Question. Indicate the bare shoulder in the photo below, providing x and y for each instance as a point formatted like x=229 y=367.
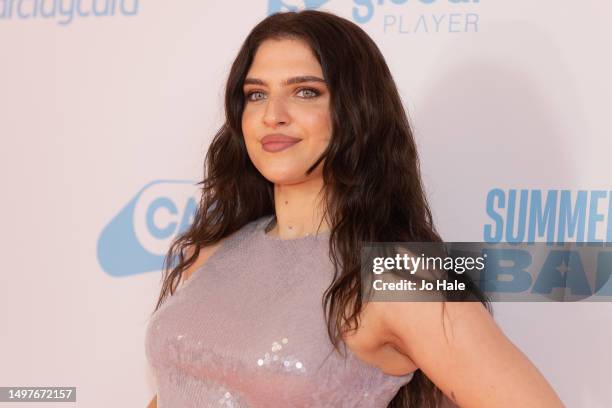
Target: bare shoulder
x=205 y=253
x=369 y=343
x=461 y=349
x=412 y=325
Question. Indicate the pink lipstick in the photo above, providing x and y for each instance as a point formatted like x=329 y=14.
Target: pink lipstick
x=277 y=142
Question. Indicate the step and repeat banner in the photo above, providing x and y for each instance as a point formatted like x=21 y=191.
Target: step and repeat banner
x=107 y=108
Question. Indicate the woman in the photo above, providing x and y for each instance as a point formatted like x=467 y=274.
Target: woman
x=315 y=158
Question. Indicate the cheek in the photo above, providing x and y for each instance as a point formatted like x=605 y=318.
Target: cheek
x=247 y=125
x=249 y=133
x=318 y=125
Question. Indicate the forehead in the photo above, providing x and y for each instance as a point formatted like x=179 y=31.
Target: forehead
x=284 y=57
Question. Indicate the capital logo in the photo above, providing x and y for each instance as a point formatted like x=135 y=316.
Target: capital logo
x=274 y=6
x=137 y=238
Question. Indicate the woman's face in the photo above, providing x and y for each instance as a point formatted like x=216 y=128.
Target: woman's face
x=286 y=121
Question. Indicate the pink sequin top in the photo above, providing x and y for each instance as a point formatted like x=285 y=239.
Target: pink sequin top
x=248 y=330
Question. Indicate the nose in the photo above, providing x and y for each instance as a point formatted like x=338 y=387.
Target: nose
x=276 y=112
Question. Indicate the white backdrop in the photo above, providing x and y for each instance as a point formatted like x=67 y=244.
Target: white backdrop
x=105 y=116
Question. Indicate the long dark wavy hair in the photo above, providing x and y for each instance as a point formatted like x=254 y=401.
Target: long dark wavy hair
x=372 y=183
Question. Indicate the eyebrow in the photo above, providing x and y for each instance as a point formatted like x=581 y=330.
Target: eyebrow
x=290 y=81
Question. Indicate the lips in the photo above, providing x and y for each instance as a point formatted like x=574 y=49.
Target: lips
x=278 y=142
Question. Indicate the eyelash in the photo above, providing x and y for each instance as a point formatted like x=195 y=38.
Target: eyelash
x=314 y=91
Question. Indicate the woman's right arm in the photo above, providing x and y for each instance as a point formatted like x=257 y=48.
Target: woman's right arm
x=153 y=403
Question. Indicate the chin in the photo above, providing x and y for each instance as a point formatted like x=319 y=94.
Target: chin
x=284 y=175
x=286 y=171
x=276 y=178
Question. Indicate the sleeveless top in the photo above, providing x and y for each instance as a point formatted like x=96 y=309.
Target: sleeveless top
x=247 y=329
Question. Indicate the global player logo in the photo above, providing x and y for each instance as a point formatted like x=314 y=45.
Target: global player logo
x=275 y=6
x=400 y=16
x=137 y=238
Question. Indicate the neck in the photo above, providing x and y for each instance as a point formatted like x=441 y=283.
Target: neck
x=299 y=209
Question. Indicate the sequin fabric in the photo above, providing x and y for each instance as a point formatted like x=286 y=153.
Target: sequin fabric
x=248 y=330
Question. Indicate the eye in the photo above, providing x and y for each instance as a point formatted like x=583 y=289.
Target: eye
x=310 y=93
x=250 y=94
